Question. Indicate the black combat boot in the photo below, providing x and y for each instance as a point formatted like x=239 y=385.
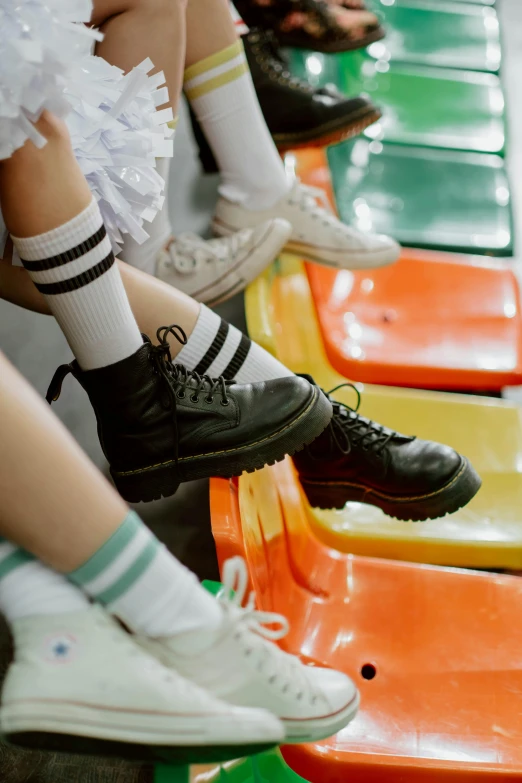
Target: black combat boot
x=297 y=114
x=356 y=459
x=160 y=424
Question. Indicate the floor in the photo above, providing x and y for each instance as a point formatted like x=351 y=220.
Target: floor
x=36 y=346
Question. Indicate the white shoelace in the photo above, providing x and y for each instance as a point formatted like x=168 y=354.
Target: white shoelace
x=187 y=252
x=315 y=202
x=275 y=663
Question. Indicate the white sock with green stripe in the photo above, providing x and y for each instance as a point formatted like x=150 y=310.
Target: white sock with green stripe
x=223 y=97
x=28 y=588
x=140 y=582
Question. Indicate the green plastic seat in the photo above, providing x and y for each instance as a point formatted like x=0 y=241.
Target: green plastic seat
x=425 y=198
x=423 y=106
x=436 y=32
x=268 y=767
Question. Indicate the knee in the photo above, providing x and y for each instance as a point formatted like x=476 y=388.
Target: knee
x=165 y=9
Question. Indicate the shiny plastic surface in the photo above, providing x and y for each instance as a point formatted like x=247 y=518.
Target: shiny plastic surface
x=269 y=767
x=435 y=653
x=451 y=326
x=485 y=534
x=423 y=106
x=432 y=320
x=428 y=198
x=438 y=32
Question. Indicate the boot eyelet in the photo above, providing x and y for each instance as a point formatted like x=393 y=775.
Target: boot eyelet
x=194 y=398
x=181 y=395
x=209 y=400
x=225 y=404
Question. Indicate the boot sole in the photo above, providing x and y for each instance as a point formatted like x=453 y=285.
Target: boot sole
x=446 y=500
x=162 y=480
x=317 y=729
x=332 y=132
x=88 y=731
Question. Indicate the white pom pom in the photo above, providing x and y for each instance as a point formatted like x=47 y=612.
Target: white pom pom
x=39 y=43
x=117 y=134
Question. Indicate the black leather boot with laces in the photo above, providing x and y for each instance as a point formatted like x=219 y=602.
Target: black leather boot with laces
x=297 y=114
x=160 y=424
x=356 y=459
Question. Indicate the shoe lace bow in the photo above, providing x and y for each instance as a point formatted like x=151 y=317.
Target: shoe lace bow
x=315 y=202
x=348 y=427
x=264 y=628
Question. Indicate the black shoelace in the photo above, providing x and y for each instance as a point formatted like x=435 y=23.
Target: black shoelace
x=179 y=378
x=265 y=42
x=349 y=428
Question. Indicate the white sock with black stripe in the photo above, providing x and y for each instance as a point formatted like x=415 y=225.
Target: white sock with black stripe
x=215 y=348
x=73 y=267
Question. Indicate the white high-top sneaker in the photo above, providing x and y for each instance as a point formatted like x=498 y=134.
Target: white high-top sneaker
x=80 y=675
x=317 y=235
x=240 y=664
x=216 y=269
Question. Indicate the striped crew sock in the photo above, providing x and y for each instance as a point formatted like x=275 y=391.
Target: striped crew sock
x=215 y=348
x=140 y=582
x=73 y=267
x=223 y=97
x=28 y=588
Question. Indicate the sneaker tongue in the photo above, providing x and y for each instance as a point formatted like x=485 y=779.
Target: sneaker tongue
x=195 y=642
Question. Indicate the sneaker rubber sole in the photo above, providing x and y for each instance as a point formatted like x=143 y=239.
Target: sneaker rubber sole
x=316 y=729
x=88 y=730
x=162 y=480
x=455 y=494
x=327 y=256
x=250 y=264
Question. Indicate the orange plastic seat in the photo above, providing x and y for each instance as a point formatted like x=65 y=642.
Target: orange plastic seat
x=433 y=320
x=435 y=652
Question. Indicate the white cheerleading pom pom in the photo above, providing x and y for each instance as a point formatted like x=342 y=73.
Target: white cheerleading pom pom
x=39 y=43
x=117 y=134
x=116 y=131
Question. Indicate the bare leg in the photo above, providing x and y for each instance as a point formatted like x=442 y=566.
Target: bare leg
x=216 y=34
x=33 y=196
x=55 y=503
x=135 y=30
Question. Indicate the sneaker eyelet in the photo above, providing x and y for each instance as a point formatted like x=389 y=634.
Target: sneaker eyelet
x=181 y=395
x=208 y=400
x=194 y=398
x=225 y=404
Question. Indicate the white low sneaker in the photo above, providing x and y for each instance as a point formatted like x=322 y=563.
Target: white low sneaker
x=317 y=235
x=80 y=675
x=214 y=270
x=238 y=663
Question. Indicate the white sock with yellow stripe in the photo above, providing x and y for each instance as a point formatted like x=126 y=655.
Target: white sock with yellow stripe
x=222 y=94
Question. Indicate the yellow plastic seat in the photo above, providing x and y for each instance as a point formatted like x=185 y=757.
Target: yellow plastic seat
x=485 y=534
